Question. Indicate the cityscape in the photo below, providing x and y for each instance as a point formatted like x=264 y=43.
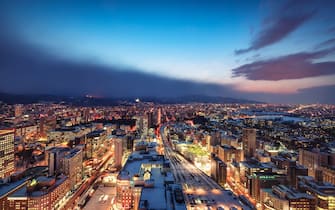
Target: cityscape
x=167 y=105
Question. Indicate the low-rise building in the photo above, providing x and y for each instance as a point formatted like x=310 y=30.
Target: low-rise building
x=284 y=198
x=40 y=193
x=323 y=192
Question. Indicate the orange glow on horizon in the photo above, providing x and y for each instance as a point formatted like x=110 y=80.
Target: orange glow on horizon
x=282 y=86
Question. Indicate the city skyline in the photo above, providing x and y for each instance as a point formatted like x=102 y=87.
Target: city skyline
x=280 y=52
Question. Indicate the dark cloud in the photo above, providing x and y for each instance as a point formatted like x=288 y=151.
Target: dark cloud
x=282 y=22
x=294 y=66
x=27 y=69
x=277 y=31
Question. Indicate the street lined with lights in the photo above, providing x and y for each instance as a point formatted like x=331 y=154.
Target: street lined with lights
x=200 y=190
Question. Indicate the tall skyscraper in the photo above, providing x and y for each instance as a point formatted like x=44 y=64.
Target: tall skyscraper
x=118 y=152
x=249 y=142
x=150 y=119
x=159 y=116
x=6 y=153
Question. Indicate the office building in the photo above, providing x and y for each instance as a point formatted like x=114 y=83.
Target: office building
x=218 y=170
x=323 y=192
x=281 y=197
x=229 y=153
x=40 y=193
x=249 y=142
x=73 y=167
x=289 y=167
x=315 y=158
x=261 y=180
x=6 y=153
x=328 y=174
x=248 y=168
x=67 y=161
x=55 y=157
x=158 y=116
x=118 y=152
x=150 y=117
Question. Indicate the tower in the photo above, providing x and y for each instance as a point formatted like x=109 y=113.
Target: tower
x=159 y=116
x=118 y=152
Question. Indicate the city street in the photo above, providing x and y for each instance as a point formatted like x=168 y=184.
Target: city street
x=200 y=190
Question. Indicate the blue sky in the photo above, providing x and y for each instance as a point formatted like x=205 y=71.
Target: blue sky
x=190 y=40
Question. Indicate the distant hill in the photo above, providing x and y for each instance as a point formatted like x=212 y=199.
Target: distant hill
x=205 y=99
x=92 y=101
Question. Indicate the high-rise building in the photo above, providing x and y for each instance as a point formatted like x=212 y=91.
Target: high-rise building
x=150 y=119
x=42 y=129
x=73 y=167
x=118 y=152
x=6 y=153
x=64 y=160
x=218 y=170
x=129 y=143
x=159 y=116
x=249 y=142
x=55 y=157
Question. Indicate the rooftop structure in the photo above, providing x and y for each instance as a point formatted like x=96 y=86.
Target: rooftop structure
x=284 y=198
x=143 y=173
x=324 y=192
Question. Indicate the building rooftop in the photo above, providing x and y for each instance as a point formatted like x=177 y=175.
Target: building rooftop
x=323 y=188
x=23 y=191
x=149 y=165
x=290 y=193
x=59 y=149
x=158 y=201
x=138 y=159
x=228 y=147
x=229 y=137
x=73 y=153
x=8 y=187
x=256 y=164
x=4 y=132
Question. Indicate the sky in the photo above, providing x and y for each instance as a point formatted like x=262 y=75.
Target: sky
x=271 y=51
